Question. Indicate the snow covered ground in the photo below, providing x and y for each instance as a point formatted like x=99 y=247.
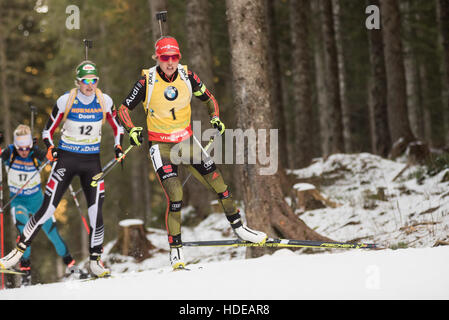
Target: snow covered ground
x=409 y=215
x=390 y=274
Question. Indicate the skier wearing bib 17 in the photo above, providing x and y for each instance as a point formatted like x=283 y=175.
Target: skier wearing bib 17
x=22 y=160
x=82 y=110
x=166 y=91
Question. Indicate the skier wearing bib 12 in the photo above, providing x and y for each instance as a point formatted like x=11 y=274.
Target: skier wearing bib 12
x=22 y=159
x=166 y=91
x=83 y=110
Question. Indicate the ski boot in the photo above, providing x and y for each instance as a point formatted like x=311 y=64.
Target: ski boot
x=25 y=267
x=176 y=255
x=97 y=268
x=13 y=257
x=243 y=232
x=177 y=258
x=72 y=270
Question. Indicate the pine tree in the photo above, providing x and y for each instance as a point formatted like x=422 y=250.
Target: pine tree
x=443 y=22
x=380 y=134
x=299 y=11
x=332 y=78
x=399 y=125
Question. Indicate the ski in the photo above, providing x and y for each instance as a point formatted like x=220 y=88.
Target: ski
x=92 y=278
x=190 y=267
x=9 y=271
x=181 y=269
x=281 y=243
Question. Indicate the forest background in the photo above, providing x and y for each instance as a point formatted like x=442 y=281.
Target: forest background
x=332 y=75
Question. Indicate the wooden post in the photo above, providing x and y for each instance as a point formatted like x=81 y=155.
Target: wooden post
x=308 y=197
x=132 y=240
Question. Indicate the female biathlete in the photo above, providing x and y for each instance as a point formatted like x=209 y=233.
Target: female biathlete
x=22 y=160
x=166 y=91
x=83 y=110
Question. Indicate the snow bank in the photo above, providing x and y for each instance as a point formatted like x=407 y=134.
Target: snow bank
x=403 y=212
x=357 y=274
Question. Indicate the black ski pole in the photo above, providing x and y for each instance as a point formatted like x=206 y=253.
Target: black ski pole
x=87 y=45
x=101 y=175
x=106 y=167
x=79 y=208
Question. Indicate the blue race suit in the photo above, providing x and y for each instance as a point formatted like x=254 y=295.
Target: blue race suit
x=30 y=199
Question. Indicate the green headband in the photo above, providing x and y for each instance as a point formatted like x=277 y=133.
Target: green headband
x=86 y=69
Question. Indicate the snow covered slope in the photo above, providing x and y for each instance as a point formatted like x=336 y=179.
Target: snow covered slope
x=409 y=214
x=406 y=212
x=387 y=274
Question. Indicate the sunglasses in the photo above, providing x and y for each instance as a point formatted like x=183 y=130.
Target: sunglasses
x=24 y=149
x=165 y=57
x=89 y=81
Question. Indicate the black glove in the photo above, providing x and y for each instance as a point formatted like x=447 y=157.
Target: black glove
x=1 y=137
x=119 y=155
x=52 y=153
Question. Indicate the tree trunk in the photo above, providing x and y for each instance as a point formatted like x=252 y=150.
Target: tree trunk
x=200 y=61
x=6 y=114
x=309 y=198
x=443 y=19
x=9 y=237
x=106 y=85
x=265 y=207
x=399 y=125
x=332 y=78
x=299 y=10
x=132 y=240
x=318 y=56
x=276 y=98
x=380 y=134
x=345 y=108
x=414 y=89
x=425 y=102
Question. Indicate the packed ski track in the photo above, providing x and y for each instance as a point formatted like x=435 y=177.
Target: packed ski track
x=409 y=217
